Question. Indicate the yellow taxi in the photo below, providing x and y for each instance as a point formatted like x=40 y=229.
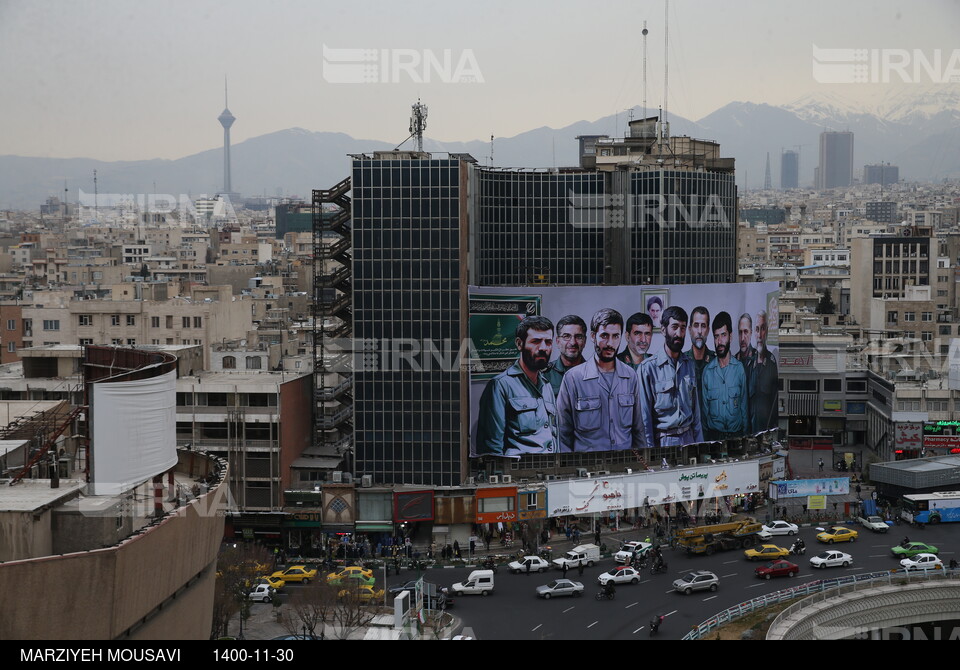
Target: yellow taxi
x=766 y=552
x=296 y=573
x=270 y=580
x=837 y=534
x=364 y=593
x=354 y=572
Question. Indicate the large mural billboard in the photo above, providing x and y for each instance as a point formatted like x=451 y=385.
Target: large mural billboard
x=578 y=369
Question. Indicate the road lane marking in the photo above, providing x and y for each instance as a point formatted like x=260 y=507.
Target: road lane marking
x=669 y=613
x=710 y=598
x=729 y=562
x=535 y=629
x=730 y=575
x=592 y=625
x=568 y=609
x=754 y=586
x=639 y=629
x=630 y=605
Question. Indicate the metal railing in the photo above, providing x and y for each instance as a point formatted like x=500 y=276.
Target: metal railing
x=836 y=586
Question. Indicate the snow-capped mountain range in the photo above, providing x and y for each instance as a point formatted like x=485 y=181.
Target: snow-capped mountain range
x=915 y=127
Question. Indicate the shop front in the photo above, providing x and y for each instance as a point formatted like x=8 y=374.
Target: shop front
x=496 y=515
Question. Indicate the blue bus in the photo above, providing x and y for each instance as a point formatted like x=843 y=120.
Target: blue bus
x=924 y=508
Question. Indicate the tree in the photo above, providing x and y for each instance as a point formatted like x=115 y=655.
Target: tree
x=311 y=606
x=320 y=608
x=239 y=566
x=350 y=613
x=826 y=304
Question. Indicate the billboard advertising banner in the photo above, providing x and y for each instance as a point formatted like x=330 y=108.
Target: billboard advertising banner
x=613 y=368
x=621 y=492
x=801 y=488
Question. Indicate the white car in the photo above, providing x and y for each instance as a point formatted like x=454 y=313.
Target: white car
x=631 y=549
x=529 y=563
x=263 y=593
x=922 y=562
x=831 y=559
x=620 y=575
x=780 y=528
x=560 y=587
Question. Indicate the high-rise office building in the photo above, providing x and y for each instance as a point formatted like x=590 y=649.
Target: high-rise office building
x=642 y=214
x=836 y=159
x=409 y=294
x=623 y=217
x=790 y=169
x=883 y=174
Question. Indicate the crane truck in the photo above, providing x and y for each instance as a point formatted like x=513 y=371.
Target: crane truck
x=719 y=537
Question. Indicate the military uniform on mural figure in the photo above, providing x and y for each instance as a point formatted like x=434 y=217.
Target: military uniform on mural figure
x=639 y=335
x=698 y=351
x=571 y=339
x=599 y=401
x=762 y=382
x=724 y=388
x=670 y=402
x=518 y=413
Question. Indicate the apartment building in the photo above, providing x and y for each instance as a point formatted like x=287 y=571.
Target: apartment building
x=136 y=321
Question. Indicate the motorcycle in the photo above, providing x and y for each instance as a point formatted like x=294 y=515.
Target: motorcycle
x=655 y=624
x=489 y=564
x=605 y=594
x=798 y=549
x=658 y=567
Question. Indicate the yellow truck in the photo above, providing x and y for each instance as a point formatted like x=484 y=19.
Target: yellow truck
x=719 y=537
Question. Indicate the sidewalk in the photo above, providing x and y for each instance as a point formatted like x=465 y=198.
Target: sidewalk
x=262 y=625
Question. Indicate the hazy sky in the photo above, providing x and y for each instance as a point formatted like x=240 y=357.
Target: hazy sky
x=138 y=79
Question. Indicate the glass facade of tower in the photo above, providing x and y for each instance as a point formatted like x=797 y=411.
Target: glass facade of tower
x=537 y=227
x=589 y=228
x=689 y=234
x=406 y=255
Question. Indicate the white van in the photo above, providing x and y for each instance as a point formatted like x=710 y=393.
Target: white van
x=588 y=554
x=479 y=581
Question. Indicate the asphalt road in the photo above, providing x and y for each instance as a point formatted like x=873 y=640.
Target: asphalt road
x=513 y=612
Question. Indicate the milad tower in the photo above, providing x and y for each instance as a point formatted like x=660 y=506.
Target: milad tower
x=226 y=120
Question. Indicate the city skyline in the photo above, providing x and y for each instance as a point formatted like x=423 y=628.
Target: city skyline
x=138 y=94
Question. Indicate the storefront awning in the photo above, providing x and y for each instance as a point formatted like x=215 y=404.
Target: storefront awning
x=372 y=526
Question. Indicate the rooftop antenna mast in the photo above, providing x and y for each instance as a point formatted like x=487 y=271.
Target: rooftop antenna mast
x=666 y=63
x=96 y=203
x=418 y=123
x=644 y=32
x=491 y=151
